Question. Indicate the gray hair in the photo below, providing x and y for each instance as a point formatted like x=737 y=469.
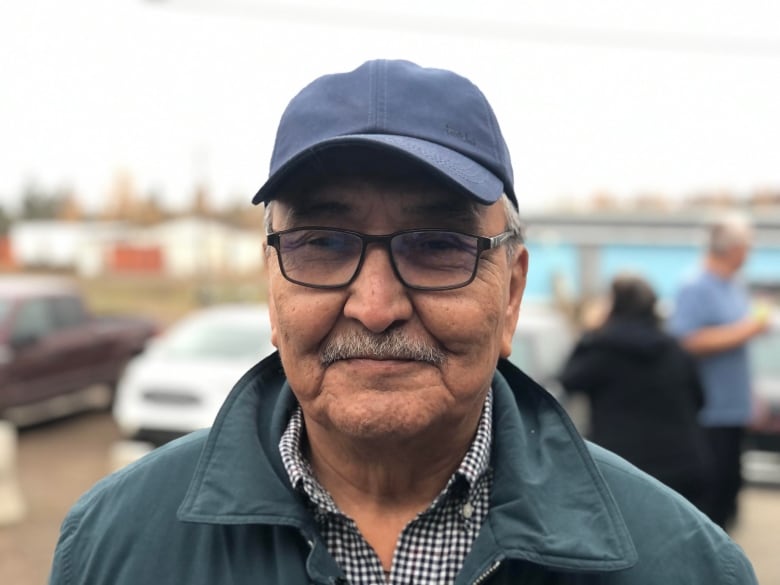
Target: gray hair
x=729 y=232
x=393 y=344
x=514 y=224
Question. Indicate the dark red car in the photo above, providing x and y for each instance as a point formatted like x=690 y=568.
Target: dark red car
x=54 y=354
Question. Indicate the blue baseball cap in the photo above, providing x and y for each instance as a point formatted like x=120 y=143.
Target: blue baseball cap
x=432 y=117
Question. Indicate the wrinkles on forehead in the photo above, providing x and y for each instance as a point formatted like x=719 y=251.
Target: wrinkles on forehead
x=421 y=205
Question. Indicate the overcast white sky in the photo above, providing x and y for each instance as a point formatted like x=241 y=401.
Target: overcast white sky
x=627 y=96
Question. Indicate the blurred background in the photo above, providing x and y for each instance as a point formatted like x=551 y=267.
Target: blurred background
x=134 y=133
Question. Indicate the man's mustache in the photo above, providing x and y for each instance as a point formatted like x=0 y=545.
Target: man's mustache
x=392 y=345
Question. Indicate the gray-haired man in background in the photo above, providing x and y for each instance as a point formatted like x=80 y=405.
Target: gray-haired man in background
x=713 y=318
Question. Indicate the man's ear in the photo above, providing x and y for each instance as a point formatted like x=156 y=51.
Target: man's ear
x=517 y=279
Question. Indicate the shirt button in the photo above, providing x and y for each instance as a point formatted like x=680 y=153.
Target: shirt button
x=468 y=510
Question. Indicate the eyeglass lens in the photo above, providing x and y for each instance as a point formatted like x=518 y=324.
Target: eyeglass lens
x=426 y=259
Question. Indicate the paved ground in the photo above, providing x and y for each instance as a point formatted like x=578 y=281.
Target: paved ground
x=57 y=462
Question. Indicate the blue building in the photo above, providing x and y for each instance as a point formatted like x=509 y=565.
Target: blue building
x=577 y=254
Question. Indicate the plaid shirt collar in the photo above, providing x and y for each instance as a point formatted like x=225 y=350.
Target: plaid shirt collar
x=433 y=546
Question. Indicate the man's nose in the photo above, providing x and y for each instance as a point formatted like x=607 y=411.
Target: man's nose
x=377 y=298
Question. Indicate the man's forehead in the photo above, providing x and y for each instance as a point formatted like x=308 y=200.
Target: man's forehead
x=354 y=195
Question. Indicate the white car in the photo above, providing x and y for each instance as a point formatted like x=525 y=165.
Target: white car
x=543 y=341
x=761 y=458
x=541 y=344
x=180 y=381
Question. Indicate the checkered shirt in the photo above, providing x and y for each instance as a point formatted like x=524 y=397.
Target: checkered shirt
x=432 y=547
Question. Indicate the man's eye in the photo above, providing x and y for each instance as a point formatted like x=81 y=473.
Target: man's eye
x=437 y=242
x=441 y=244
x=316 y=240
x=328 y=241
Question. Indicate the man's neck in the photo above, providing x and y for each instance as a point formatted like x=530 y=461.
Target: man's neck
x=384 y=474
x=383 y=488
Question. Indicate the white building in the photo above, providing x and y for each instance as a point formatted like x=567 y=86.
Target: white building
x=187 y=246
x=195 y=246
x=57 y=244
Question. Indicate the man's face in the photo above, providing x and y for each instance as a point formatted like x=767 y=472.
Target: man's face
x=739 y=256
x=469 y=327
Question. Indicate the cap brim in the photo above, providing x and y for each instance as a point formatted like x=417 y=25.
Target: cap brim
x=472 y=178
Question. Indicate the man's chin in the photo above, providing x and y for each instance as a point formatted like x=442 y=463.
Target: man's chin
x=381 y=429
x=371 y=412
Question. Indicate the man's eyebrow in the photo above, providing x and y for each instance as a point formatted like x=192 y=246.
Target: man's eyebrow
x=315 y=210
x=456 y=212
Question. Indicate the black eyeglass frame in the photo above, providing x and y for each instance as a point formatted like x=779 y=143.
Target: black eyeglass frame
x=484 y=243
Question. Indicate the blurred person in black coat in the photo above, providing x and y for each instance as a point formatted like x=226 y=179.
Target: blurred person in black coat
x=644 y=391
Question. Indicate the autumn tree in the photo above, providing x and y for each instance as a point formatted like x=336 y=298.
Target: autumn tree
x=122 y=202
x=70 y=208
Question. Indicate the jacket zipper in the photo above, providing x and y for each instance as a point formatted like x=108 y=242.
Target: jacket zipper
x=490 y=570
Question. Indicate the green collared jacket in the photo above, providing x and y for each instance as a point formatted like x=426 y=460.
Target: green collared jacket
x=216 y=507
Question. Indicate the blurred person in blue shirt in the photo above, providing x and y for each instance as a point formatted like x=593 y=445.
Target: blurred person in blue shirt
x=713 y=319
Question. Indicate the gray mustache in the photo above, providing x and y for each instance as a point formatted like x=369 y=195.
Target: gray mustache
x=385 y=346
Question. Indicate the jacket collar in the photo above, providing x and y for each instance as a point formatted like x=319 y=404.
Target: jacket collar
x=240 y=477
x=549 y=505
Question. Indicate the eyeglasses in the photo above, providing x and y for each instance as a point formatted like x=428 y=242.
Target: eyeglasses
x=424 y=259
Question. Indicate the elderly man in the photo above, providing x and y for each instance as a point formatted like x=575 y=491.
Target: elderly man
x=388 y=440
x=713 y=318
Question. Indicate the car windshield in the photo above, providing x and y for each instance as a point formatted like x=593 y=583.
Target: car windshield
x=764 y=353
x=215 y=339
